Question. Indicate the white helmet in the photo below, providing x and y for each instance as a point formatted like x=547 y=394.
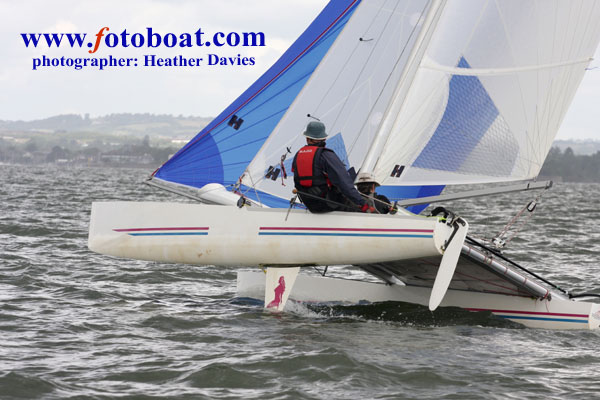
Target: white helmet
x=366 y=177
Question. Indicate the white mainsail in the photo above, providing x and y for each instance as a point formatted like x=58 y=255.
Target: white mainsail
x=491 y=92
x=349 y=91
x=484 y=105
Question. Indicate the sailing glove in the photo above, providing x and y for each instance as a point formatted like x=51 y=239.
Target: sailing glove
x=367 y=208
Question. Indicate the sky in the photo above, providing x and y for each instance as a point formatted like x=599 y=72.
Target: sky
x=27 y=94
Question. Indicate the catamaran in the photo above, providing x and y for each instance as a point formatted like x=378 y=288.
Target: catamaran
x=421 y=94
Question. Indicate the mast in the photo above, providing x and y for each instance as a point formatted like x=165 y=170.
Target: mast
x=404 y=84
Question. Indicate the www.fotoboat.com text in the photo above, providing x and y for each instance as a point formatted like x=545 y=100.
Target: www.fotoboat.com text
x=150 y=40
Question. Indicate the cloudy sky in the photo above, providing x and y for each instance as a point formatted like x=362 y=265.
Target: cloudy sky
x=204 y=91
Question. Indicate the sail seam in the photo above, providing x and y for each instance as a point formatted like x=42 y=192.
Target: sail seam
x=298 y=56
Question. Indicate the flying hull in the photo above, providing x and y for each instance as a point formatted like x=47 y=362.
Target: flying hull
x=250 y=236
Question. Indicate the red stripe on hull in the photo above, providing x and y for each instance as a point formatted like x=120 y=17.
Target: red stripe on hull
x=204 y=228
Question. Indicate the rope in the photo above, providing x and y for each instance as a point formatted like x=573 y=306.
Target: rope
x=392 y=206
x=575 y=296
x=326 y=200
x=501 y=242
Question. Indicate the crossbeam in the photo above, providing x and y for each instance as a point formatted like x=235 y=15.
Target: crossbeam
x=476 y=193
x=174 y=188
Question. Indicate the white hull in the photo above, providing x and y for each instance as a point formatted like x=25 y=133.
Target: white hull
x=557 y=313
x=397 y=249
x=230 y=236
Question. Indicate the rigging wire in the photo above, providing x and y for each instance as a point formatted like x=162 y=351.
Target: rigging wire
x=500 y=255
x=253 y=188
x=575 y=296
x=502 y=238
x=388 y=78
x=347 y=62
x=354 y=84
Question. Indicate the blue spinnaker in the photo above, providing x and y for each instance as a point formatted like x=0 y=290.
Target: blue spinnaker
x=222 y=150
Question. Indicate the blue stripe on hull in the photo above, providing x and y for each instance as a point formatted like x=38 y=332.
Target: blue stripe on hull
x=577 y=321
x=340 y=234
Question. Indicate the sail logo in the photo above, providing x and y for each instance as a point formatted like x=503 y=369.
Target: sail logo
x=279 y=291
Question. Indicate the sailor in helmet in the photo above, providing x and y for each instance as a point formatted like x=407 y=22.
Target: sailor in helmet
x=366 y=184
x=320 y=177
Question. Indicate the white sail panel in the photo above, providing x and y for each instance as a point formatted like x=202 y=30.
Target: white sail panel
x=349 y=91
x=491 y=92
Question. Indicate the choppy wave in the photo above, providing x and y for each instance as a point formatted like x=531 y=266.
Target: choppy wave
x=74 y=324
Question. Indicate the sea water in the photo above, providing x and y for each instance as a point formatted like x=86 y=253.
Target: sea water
x=80 y=325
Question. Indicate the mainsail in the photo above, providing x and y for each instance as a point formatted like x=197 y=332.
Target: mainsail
x=491 y=92
x=421 y=93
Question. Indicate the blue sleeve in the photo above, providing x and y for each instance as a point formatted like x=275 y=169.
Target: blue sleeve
x=337 y=174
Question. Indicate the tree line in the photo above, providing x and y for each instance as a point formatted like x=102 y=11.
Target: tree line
x=571 y=167
x=98 y=152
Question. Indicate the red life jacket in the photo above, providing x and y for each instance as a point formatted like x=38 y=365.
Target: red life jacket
x=303 y=167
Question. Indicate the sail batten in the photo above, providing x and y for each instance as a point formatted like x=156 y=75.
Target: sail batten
x=429 y=64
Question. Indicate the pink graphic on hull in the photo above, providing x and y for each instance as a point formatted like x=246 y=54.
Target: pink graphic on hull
x=279 y=290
